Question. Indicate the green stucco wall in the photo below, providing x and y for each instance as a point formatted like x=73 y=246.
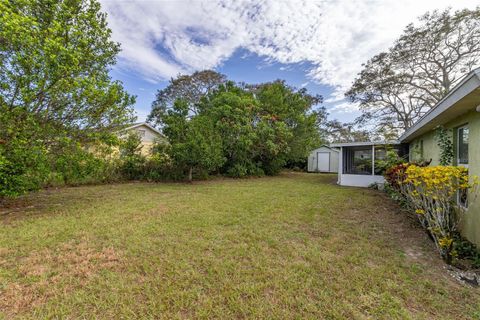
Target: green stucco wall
x=470 y=222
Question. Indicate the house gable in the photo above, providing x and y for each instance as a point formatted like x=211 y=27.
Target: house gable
x=146 y=133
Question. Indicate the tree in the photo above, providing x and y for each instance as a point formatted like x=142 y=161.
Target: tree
x=55 y=57
x=132 y=161
x=195 y=145
x=384 y=98
x=337 y=131
x=436 y=54
x=397 y=87
x=258 y=128
x=235 y=115
x=294 y=108
x=189 y=88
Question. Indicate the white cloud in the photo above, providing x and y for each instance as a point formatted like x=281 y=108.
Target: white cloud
x=344 y=107
x=163 y=38
x=303 y=85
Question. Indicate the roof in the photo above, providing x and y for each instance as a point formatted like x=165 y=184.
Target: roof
x=139 y=124
x=328 y=147
x=464 y=97
x=363 y=143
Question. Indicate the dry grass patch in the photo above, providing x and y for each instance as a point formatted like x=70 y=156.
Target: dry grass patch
x=40 y=274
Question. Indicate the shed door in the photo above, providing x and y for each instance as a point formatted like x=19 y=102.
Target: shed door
x=323 y=161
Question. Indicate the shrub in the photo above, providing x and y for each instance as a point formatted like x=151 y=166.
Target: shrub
x=76 y=165
x=396 y=174
x=391 y=159
x=242 y=170
x=466 y=250
x=431 y=191
x=23 y=166
x=132 y=161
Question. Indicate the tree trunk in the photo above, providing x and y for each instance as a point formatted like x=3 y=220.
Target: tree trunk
x=190 y=174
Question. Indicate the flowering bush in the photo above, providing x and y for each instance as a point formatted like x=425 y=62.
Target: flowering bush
x=432 y=193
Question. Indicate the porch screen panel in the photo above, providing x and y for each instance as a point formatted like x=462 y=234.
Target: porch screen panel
x=357 y=160
x=381 y=151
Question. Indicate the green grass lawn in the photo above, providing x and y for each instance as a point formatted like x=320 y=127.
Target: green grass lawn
x=293 y=246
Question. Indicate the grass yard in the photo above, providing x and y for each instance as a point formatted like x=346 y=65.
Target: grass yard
x=293 y=246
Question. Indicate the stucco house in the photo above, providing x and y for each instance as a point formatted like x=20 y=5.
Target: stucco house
x=459 y=113
x=148 y=135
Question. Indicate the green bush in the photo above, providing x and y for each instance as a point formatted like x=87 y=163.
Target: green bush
x=76 y=165
x=242 y=170
x=23 y=159
x=464 y=249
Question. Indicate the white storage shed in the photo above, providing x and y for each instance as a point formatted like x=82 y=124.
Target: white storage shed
x=323 y=159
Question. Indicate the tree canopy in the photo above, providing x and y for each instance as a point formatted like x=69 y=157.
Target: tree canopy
x=55 y=88
x=252 y=129
x=398 y=86
x=189 y=88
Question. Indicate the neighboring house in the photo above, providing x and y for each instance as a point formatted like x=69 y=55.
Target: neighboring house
x=148 y=135
x=361 y=164
x=323 y=159
x=459 y=112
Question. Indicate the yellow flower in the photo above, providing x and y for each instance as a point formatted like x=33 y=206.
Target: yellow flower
x=445 y=242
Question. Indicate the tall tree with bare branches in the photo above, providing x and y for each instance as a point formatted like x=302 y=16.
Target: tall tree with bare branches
x=397 y=87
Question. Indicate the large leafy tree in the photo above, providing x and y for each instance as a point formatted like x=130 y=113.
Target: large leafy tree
x=55 y=57
x=235 y=115
x=258 y=129
x=189 y=88
x=396 y=87
x=296 y=110
x=384 y=99
x=438 y=52
x=195 y=145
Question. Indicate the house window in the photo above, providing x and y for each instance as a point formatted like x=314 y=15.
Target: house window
x=462 y=160
x=462 y=146
x=141 y=133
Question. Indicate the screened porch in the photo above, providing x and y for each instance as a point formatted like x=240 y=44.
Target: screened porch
x=363 y=163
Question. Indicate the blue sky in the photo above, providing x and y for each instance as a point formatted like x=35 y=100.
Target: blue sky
x=317 y=44
x=241 y=66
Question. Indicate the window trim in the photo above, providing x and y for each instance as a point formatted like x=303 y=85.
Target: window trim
x=458 y=146
x=465 y=165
